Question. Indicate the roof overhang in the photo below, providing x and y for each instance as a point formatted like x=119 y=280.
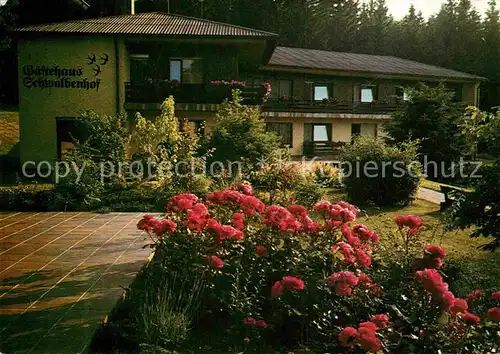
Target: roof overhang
x=366 y=74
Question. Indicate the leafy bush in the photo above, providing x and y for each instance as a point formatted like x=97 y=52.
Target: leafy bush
x=481 y=207
x=79 y=190
x=482 y=128
x=308 y=192
x=380 y=174
x=25 y=197
x=239 y=133
x=151 y=147
x=284 y=180
x=326 y=175
x=431 y=117
x=276 y=273
x=105 y=136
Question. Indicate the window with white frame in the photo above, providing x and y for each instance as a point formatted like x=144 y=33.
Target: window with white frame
x=368 y=93
x=321 y=92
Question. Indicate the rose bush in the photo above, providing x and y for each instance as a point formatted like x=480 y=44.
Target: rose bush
x=312 y=276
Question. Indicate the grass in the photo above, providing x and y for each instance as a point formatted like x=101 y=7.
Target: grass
x=9 y=131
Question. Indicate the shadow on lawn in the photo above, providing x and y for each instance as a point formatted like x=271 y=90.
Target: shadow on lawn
x=62 y=319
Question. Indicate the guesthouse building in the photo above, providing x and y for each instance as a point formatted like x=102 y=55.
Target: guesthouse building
x=318 y=100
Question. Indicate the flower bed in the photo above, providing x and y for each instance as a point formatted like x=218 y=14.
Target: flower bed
x=286 y=276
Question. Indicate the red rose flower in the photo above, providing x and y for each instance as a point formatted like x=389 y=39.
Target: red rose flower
x=411 y=222
x=347 y=336
x=459 y=306
x=261 y=323
x=381 y=320
x=297 y=210
x=164 y=226
x=147 y=223
x=261 y=251
x=344 y=282
x=238 y=221
x=250 y=321
x=181 y=202
x=277 y=289
x=363 y=259
x=494 y=314
x=288 y=283
x=496 y=296
x=471 y=319
x=367 y=338
x=216 y=262
x=435 y=251
x=476 y=295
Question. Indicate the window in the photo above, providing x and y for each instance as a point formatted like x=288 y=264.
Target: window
x=188 y=71
x=368 y=94
x=281 y=88
x=321 y=92
x=192 y=72
x=285 y=88
x=68 y=130
x=317 y=132
x=320 y=133
x=355 y=130
x=175 y=70
x=139 y=67
x=402 y=94
x=284 y=131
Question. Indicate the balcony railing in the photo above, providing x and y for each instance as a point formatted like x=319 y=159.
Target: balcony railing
x=329 y=106
x=190 y=93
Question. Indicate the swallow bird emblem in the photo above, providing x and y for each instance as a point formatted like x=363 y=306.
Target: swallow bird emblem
x=97 y=70
x=104 y=59
x=91 y=58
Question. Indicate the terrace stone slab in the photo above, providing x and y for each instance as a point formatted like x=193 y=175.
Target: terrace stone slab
x=61 y=274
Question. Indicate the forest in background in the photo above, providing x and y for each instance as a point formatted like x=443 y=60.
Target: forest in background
x=456 y=37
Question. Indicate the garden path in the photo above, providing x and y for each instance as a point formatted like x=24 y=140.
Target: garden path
x=430 y=195
x=61 y=274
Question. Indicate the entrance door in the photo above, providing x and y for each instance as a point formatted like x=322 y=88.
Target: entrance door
x=69 y=131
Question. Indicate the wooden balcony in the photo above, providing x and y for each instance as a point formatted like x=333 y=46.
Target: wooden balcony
x=321 y=148
x=329 y=106
x=196 y=94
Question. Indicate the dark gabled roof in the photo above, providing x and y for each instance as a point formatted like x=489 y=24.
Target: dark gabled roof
x=148 y=24
x=352 y=62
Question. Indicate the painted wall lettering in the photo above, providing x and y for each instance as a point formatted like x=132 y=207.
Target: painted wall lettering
x=43 y=77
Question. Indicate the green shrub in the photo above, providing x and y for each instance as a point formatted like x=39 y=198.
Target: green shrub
x=79 y=191
x=308 y=192
x=326 y=175
x=33 y=197
x=239 y=133
x=431 y=116
x=481 y=207
x=380 y=174
x=284 y=181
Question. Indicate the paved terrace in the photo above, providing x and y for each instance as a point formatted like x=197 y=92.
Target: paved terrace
x=61 y=274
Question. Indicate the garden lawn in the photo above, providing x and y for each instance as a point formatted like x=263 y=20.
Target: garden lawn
x=9 y=131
